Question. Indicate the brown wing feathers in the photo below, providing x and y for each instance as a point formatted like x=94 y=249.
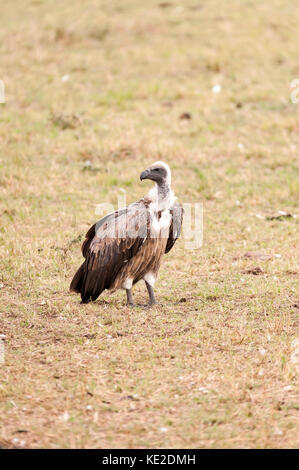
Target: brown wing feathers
x=101 y=266
x=176 y=225
x=104 y=257
x=88 y=239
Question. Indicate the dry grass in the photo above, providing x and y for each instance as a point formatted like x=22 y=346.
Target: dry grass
x=214 y=370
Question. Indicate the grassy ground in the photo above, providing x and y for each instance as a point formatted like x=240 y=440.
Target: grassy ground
x=215 y=364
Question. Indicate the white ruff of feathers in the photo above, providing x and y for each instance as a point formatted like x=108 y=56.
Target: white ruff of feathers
x=162 y=198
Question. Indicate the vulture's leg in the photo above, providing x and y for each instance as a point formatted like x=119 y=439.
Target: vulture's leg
x=130 y=301
x=151 y=294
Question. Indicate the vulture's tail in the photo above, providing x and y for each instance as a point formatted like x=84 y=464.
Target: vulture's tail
x=77 y=282
x=85 y=283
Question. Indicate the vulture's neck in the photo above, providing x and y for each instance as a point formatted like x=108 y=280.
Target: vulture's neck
x=162 y=197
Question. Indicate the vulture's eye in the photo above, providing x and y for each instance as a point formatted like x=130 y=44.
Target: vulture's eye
x=156 y=169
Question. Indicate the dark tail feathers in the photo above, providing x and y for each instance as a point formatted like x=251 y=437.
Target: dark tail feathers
x=87 y=284
x=77 y=282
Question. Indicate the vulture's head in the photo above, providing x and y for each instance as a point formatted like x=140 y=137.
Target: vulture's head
x=158 y=172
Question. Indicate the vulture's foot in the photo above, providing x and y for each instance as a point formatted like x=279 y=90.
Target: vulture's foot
x=150 y=290
x=130 y=301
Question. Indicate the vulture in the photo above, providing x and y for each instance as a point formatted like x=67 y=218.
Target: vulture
x=127 y=245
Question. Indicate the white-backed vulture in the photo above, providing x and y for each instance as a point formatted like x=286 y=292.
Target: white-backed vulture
x=127 y=245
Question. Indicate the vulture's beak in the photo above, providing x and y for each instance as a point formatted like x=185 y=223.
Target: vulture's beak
x=144 y=175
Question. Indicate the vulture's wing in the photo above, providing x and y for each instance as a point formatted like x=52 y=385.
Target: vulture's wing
x=110 y=243
x=92 y=231
x=176 y=225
